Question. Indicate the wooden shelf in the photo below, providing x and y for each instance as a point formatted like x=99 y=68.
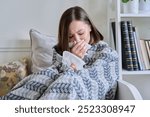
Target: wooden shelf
x=135 y=15
x=146 y=72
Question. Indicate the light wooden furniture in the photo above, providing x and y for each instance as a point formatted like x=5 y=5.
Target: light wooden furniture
x=140 y=79
x=15 y=49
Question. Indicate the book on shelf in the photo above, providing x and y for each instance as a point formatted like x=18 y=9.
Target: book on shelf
x=127 y=62
x=147 y=48
x=113 y=27
x=133 y=46
x=145 y=54
x=112 y=33
x=138 y=48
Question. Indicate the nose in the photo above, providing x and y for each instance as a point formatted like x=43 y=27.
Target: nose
x=77 y=38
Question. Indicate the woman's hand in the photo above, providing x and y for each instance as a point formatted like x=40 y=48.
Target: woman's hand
x=73 y=66
x=79 y=49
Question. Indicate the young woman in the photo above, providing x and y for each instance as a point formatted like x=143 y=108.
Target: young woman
x=96 y=80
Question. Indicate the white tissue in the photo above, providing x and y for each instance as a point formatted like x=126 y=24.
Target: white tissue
x=69 y=58
x=70 y=44
x=88 y=46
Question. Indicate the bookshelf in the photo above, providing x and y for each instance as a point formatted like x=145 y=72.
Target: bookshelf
x=140 y=78
x=140 y=15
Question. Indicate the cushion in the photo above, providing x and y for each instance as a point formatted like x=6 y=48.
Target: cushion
x=11 y=73
x=42 y=52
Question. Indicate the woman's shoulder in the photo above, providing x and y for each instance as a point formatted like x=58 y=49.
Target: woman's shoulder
x=99 y=46
x=56 y=50
x=103 y=48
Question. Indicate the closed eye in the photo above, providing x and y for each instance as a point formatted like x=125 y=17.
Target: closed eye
x=81 y=33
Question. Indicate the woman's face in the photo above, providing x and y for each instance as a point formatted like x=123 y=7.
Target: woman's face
x=79 y=30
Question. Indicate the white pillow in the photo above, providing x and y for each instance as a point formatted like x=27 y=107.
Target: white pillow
x=42 y=52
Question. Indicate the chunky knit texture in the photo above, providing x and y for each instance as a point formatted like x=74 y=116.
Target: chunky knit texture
x=96 y=81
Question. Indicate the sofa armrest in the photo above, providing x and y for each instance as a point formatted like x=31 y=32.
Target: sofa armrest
x=127 y=91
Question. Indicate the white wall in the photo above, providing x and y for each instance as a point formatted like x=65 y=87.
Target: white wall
x=17 y=17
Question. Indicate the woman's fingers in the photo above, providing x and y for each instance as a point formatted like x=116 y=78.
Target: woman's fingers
x=79 y=45
x=73 y=66
x=79 y=49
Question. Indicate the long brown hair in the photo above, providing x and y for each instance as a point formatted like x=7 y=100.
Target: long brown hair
x=74 y=13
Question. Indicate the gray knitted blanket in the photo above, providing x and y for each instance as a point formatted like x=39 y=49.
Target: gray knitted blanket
x=97 y=80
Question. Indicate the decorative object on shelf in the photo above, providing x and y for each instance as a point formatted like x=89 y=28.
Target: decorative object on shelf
x=130 y=6
x=144 y=6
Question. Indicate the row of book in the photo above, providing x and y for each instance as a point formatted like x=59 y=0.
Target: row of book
x=135 y=51
x=145 y=48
